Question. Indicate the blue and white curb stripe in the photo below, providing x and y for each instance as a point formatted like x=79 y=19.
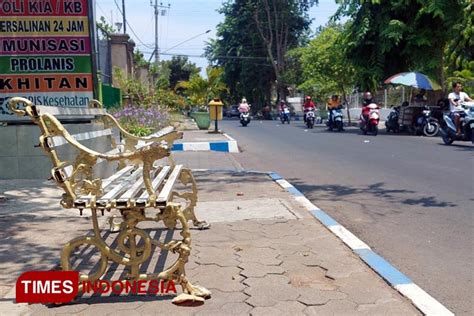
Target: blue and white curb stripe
x=427 y=304
x=222 y=146
x=422 y=300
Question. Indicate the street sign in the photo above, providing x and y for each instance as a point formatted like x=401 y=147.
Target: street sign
x=46 y=53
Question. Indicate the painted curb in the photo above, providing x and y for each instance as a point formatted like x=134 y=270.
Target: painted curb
x=229 y=146
x=427 y=304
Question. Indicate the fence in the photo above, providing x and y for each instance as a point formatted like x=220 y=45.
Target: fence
x=386 y=98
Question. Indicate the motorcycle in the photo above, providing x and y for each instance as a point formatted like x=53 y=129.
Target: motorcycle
x=448 y=130
x=244 y=118
x=285 y=116
x=336 y=120
x=426 y=124
x=310 y=117
x=391 y=124
x=369 y=119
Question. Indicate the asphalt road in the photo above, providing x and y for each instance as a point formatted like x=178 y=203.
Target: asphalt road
x=409 y=198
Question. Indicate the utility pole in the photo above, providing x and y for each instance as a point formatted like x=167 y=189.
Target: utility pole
x=124 y=18
x=157 y=13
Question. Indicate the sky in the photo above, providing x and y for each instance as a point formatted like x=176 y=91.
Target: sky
x=185 y=19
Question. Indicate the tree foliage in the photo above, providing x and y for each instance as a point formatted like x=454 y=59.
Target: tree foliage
x=459 y=53
x=180 y=69
x=105 y=28
x=385 y=37
x=200 y=90
x=252 y=43
x=325 y=70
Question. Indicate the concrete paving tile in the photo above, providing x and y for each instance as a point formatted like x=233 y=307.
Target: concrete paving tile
x=269 y=290
x=257 y=311
x=333 y=308
x=219 y=299
x=226 y=279
x=364 y=288
x=388 y=307
x=221 y=256
x=305 y=276
x=338 y=270
x=39 y=309
x=314 y=296
x=103 y=308
x=163 y=308
x=236 y=308
x=246 y=225
x=290 y=307
x=256 y=270
x=266 y=256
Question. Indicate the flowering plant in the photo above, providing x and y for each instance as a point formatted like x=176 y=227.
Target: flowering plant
x=141 y=121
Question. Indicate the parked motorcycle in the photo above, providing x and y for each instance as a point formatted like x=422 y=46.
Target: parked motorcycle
x=426 y=124
x=244 y=118
x=310 y=118
x=335 y=121
x=369 y=119
x=285 y=116
x=448 y=130
x=391 y=124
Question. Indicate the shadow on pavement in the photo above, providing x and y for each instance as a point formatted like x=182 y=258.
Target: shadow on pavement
x=377 y=190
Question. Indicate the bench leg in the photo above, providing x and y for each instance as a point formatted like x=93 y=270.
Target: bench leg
x=138 y=254
x=176 y=272
x=187 y=177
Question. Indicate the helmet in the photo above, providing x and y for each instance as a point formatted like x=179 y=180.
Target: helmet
x=367 y=96
x=308 y=97
x=244 y=100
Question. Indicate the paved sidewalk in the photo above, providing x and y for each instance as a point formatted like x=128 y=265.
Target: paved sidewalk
x=264 y=254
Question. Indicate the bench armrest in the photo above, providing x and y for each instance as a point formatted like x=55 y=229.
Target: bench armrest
x=168 y=137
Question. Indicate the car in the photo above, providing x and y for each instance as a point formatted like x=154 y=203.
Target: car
x=232 y=111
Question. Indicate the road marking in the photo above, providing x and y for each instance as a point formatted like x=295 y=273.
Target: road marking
x=424 y=301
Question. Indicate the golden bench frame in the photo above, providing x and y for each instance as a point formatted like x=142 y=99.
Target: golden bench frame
x=149 y=198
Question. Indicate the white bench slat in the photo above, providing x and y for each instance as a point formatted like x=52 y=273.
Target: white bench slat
x=156 y=182
x=136 y=187
x=117 y=175
x=166 y=191
x=115 y=191
x=83 y=199
x=60 y=111
x=57 y=141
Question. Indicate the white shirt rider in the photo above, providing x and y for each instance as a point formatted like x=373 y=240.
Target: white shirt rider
x=457 y=97
x=461 y=97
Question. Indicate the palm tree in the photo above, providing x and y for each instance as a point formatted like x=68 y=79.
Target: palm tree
x=200 y=90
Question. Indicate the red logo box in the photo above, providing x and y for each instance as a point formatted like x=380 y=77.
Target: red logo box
x=47 y=286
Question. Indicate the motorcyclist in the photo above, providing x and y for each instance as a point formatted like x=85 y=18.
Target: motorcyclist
x=244 y=107
x=283 y=106
x=367 y=100
x=333 y=103
x=308 y=106
x=456 y=98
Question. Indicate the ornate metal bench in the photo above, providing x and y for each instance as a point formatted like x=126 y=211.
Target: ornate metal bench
x=140 y=190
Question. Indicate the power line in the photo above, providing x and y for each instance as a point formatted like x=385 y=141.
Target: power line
x=131 y=29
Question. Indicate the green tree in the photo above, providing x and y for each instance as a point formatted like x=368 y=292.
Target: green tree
x=104 y=28
x=459 y=53
x=385 y=37
x=252 y=43
x=200 y=90
x=281 y=25
x=325 y=68
x=180 y=69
